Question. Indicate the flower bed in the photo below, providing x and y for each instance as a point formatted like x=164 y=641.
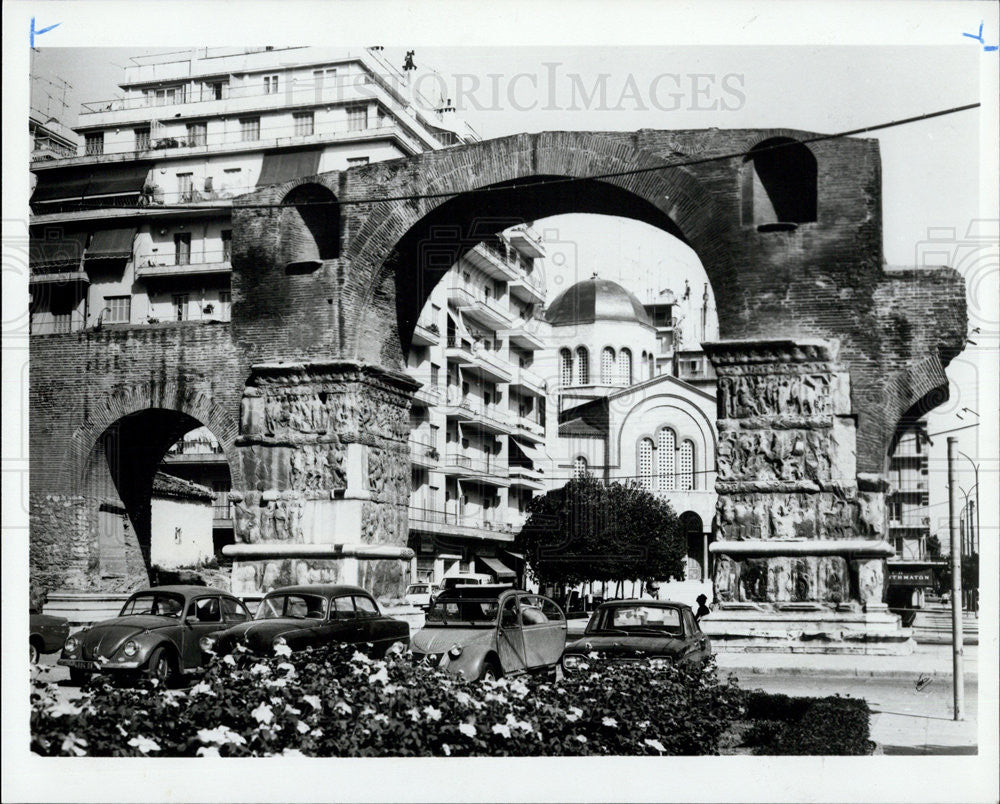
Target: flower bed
x=783 y=725
x=336 y=702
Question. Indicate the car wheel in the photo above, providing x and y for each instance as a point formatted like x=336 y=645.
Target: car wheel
x=491 y=671
x=161 y=666
x=33 y=652
x=78 y=677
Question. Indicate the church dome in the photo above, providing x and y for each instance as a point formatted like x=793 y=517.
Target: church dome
x=596 y=300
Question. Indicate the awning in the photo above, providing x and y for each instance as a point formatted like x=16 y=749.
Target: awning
x=286 y=165
x=52 y=247
x=110 y=244
x=537 y=456
x=497 y=567
x=84 y=182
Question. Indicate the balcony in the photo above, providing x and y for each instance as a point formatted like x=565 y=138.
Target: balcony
x=485 y=310
x=458 y=408
x=523 y=339
x=530 y=428
x=479 y=467
x=152 y=270
x=196 y=450
x=489 y=365
x=526 y=380
x=491 y=419
x=526 y=477
x=426 y=334
x=483 y=525
x=459 y=351
x=526 y=240
x=528 y=288
x=424 y=454
x=427 y=395
x=491 y=258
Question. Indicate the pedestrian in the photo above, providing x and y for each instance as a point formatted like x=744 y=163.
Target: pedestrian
x=702 y=608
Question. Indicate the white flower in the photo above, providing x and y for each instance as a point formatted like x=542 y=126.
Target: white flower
x=380 y=718
x=414 y=714
x=643 y=724
x=463 y=698
x=432 y=713
x=288 y=667
x=575 y=713
x=74 y=745
x=63 y=708
x=610 y=722
x=382 y=676
x=518 y=688
x=260 y=670
x=281 y=649
x=656 y=744
x=302 y=726
x=201 y=688
x=292 y=752
x=513 y=722
x=313 y=701
x=228 y=659
x=467 y=729
x=276 y=682
x=360 y=658
x=263 y=714
x=390 y=689
x=207 y=751
x=143 y=744
x=504 y=731
x=447 y=749
x=221 y=735
x=581 y=738
x=342 y=707
x=292 y=709
x=492 y=696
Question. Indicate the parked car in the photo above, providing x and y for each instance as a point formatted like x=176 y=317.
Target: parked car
x=466 y=579
x=421 y=594
x=489 y=631
x=47 y=634
x=305 y=616
x=157 y=632
x=636 y=630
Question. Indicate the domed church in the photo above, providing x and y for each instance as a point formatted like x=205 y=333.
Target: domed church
x=615 y=418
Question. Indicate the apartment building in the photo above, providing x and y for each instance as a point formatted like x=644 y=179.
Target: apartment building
x=478 y=421
x=130 y=222
x=910 y=570
x=133 y=227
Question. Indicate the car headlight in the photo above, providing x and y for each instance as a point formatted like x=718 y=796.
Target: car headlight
x=71 y=645
x=130 y=648
x=278 y=641
x=207 y=644
x=572 y=661
x=455 y=651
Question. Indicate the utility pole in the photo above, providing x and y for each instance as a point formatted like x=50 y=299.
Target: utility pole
x=956 y=583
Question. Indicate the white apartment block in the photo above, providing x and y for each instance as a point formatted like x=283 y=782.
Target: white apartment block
x=478 y=421
x=134 y=227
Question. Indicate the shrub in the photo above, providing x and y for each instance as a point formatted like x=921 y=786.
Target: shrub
x=336 y=702
x=781 y=724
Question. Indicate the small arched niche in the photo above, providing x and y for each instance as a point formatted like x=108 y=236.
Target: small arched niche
x=310 y=228
x=778 y=185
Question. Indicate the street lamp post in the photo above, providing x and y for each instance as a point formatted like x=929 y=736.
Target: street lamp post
x=975 y=469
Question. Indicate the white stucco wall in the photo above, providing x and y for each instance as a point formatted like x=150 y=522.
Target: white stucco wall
x=181 y=533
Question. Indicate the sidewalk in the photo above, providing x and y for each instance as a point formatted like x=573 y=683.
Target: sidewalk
x=926 y=661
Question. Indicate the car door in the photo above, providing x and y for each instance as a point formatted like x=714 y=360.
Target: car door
x=371 y=625
x=234 y=612
x=544 y=629
x=695 y=642
x=204 y=616
x=510 y=639
x=343 y=623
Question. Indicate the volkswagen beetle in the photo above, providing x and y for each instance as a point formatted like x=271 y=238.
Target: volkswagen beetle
x=47 y=635
x=640 y=630
x=311 y=615
x=490 y=631
x=157 y=632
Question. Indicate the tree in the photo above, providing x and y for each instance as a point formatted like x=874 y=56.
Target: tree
x=933 y=547
x=591 y=531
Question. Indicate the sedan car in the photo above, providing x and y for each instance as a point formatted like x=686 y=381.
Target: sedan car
x=309 y=616
x=157 y=632
x=491 y=631
x=421 y=594
x=638 y=630
x=47 y=634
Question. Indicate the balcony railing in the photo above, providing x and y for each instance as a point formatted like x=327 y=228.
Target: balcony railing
x=484 y=520
x=485 y=466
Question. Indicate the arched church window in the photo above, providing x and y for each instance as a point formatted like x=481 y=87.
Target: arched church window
x=685 y=466
x=582 y=366
x=625 y=367
x=565 y=367
x=579 y=466
x=644 y=463
x=666 y=447
x=607 y=365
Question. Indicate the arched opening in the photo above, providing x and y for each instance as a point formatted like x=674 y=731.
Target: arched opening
x=697 y=567
x=778 y=185
x=160 y=482
x=607 y=365
x=310 y=228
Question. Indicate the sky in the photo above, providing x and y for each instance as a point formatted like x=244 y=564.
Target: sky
x=930 y=169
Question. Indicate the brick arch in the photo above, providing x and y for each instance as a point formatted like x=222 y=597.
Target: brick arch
x=129 y=400
x=672 y=200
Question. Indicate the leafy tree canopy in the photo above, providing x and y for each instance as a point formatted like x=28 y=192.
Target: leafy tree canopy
x=592 y=531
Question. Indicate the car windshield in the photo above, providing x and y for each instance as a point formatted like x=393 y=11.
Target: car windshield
x=638 y=618
x=418 y=589
x=161 y=604
x=463 y=611
x=299 y=607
